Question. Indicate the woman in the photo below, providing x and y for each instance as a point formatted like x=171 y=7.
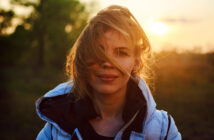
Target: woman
x=105 y=98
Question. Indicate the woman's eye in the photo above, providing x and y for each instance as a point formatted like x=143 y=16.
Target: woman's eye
x=122 y=53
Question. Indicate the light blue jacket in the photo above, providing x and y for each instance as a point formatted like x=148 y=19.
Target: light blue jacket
x=155 y=124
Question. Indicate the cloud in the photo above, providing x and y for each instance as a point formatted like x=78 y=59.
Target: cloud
x=179 y=20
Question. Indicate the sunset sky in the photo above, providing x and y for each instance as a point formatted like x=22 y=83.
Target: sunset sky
x=169 y=24
x=180 y=24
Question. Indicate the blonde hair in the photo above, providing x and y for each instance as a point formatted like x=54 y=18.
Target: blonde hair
x=87 y=46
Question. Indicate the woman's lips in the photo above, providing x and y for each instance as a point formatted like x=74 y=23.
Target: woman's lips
x=107 y=77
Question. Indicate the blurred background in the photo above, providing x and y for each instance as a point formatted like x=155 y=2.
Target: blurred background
x=35 y=36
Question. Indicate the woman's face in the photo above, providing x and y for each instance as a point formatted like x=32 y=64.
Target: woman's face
x=104 y=77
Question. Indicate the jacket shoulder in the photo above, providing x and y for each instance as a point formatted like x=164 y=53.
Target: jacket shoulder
x=50 y=132
x=63 y=88
x=159 y=124
x=45 y=133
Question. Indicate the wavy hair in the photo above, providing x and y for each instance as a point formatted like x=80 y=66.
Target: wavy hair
x=87 y=46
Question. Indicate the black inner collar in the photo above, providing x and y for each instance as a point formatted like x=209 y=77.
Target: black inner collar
x=70 y=114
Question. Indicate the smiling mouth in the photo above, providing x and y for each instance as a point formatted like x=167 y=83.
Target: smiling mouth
x=107 y=77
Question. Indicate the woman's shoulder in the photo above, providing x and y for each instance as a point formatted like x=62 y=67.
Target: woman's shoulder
x=60 y=89
x=50 y=132
x=162 y=122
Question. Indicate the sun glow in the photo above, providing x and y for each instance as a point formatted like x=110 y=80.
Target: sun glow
x=157 y=27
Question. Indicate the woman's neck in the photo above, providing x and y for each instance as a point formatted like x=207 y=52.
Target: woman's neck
x=110 y=105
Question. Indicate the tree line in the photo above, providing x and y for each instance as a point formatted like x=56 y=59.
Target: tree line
x=43 y=38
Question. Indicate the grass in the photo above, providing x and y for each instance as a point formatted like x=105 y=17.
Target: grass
x=185 y=89
x=22 y=88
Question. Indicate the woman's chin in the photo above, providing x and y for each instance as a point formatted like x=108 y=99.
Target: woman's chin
x=105 y=91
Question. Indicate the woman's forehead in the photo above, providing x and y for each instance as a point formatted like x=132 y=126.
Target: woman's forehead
x=113 y=33
x=114 y=38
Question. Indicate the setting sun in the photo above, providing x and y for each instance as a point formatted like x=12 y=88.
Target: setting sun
x=157 y=28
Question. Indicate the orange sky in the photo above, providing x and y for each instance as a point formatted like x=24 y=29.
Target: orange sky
x=169 y=24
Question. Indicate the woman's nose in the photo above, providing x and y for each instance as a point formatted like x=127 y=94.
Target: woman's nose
x=106 y=64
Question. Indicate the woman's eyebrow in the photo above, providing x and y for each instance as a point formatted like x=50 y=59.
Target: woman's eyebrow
x=123 y=48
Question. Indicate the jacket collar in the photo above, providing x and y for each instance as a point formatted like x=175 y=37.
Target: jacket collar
x=151 y=105
x=69 y=114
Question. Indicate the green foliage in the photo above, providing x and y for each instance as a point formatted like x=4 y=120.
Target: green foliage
x=45 y=37
x=51 y=18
